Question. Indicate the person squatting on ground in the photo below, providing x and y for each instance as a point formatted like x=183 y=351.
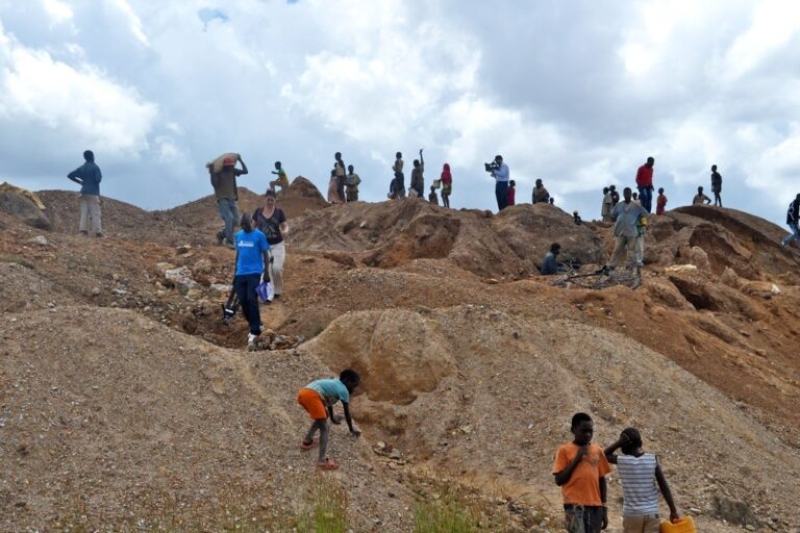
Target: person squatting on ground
x=398 y=187
x=88 y=175
x=550 y=264
x=447 y=185
x=271 y=220
x=540 y=195
x=641 y=478
x=283 y=179
x=626 y=215
x=580 y=468
x=700 y=198
x=252 y=256
x=605 y=207
x=341 y=175
x=792 y=217
x=352 y=181
x=512 y=193
x=500 y=172
x=432 y=198
x=227 y=194
x=644 y=183
x=661 y=202
x=716 y=185
x=318 y=399
x=417 y=186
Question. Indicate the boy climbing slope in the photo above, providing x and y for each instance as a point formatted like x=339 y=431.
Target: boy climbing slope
x=318 y=398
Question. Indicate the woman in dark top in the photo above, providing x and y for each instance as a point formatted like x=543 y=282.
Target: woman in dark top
x=272 y=221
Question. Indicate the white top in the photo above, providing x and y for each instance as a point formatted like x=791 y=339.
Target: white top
x=639 y=487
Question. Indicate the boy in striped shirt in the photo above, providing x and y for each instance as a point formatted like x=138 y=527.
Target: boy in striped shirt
x=641 y=478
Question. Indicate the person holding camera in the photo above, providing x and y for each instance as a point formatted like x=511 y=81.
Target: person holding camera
x=501 y=174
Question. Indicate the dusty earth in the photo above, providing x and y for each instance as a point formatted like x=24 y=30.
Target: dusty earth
x=126 y=405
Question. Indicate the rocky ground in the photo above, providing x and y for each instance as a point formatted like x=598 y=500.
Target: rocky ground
x=125 y=403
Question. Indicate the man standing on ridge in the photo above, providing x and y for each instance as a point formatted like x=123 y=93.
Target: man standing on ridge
x=716 y=186
x=644 y=182
x=89 y=177
x=500 y=172
x=227 y=194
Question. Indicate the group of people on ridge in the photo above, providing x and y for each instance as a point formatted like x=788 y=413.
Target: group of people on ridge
x=416 y=189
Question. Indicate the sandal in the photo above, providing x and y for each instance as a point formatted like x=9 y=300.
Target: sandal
x=308 y=446
x=329 y=464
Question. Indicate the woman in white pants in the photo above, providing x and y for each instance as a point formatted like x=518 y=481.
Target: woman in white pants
x=272 y=221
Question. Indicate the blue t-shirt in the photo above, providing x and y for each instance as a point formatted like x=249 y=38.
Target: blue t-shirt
x=250 y=249
x=330 y=390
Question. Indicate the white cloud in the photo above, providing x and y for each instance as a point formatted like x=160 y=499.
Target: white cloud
x=134 y=22
x=46 y=93
x=58 y=11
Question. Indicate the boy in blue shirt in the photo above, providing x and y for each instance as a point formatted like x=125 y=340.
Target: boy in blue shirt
x=318 y=398
x=252 y=257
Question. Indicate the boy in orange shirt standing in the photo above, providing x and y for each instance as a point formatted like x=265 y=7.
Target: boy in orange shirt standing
x=580 y=468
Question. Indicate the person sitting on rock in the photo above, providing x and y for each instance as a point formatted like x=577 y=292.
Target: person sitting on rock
x=550 y=265
x=540 y=194
x=432 y=197
x=318 y=399
x=792 y=217
x=700 y=198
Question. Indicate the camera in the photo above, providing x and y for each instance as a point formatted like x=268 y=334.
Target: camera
x=491 y=167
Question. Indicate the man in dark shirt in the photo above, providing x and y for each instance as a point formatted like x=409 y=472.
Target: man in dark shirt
x=89 y=177
x=716 y=185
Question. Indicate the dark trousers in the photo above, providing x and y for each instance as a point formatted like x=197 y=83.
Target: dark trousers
x=245 y=287
x=583 y=519
x=501 y=192
x=340 y=180
x=646 y=198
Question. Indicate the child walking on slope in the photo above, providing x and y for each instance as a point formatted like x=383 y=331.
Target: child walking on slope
x=318 y=398
x=580 y=468
x=641 y=478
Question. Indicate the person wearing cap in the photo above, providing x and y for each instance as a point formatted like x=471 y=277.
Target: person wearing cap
x=88 y=176
x=252 y=257
x=226 y=193
x=271 y=220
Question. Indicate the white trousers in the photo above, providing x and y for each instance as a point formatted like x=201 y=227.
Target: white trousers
x=90 y=209
x=278 y=253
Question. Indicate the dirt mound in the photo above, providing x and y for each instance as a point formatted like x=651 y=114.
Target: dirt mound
x=389 y=234
x=118 y=370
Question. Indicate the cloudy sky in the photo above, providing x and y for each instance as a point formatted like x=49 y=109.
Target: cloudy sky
x=576 y=92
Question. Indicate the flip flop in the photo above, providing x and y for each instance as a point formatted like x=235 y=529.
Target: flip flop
x=304 y=446
x=329 y=464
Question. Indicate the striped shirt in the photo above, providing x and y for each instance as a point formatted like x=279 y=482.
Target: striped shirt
x=639 y=488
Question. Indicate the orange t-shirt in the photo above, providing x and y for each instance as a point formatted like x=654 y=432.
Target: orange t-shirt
x=583 y=487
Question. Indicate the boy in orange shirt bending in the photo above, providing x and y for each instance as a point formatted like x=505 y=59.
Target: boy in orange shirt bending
x=580 y=468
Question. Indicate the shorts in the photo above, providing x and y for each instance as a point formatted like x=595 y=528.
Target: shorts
x=312 y=403
x=447 y=189
x=583 y=519
x=649 y=523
